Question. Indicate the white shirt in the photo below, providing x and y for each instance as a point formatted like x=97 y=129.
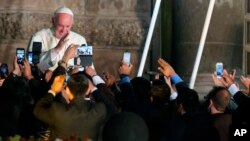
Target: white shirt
x=49 y=58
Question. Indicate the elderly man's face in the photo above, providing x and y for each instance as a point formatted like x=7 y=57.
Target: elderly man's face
x=63 y=23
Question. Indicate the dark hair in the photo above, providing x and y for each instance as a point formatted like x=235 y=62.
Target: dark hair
x=188 y=98
x=78 y=84
x=220 y=100
x=125 y=126
x=160 y=92
x=141 y=87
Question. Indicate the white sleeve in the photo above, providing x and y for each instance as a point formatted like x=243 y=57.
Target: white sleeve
x=233 y=89
x=173 y=96
x=49 y=59
x=97 y=80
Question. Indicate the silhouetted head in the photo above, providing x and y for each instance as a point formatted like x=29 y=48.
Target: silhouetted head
x=125 y=126
x=188 y=99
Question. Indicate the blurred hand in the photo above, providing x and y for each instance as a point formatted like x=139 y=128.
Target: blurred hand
x=246 y=82
x=16 y=67
x=90 y=71
x=27 y=70
x=66 y=93
x=165 y=68
x=90 y=88
x=70 y=53
x=61 y=43
x=218 y=81
x=229 y=79
x=233 y=74
x=48 y=75
x=58 y=83
x=1 y=82
x=74 y=70
x=125 y=68
x=109 y=79
x=168 y=82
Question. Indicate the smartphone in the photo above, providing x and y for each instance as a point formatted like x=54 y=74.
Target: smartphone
x=126 y=57
x=219 y=69
x=85 y=54
x=4 y=71
x=37 y=47
x=30 y=56
x=35 y=57
x=20 y=53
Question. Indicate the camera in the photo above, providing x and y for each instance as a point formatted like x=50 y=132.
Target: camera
x=20 y=53
x=219 y=69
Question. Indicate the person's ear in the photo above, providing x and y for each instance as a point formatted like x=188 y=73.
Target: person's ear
x=210 y=102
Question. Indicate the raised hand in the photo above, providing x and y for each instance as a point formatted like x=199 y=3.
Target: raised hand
x=16 y=67
x=58 y=84
x=27 y=70
x=70 y=53
x=246 y=82
x=165 y=68
x=168 y=82
x=90 y=71
x=125 y=69
x=218 y=81
x=109 y=79
x=61 y=43
x=1 y=82
x=229 y=79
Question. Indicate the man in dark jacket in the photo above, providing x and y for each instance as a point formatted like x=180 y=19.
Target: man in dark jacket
x=80 y=118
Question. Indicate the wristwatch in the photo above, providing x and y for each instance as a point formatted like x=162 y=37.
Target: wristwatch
x=61 y=62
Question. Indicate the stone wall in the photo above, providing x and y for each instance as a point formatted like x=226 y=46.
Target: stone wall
x=224 y=42
x=111 y=26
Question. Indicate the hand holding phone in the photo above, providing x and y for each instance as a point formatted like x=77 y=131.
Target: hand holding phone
x=219 y=69
x=20 y=53
x=126 y=57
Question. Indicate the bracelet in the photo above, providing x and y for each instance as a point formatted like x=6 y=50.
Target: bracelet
x=61 y=62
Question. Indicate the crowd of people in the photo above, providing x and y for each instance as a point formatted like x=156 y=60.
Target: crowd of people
x=54 y=99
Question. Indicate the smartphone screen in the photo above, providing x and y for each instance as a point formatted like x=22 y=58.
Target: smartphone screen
x=219 y=69
x=84 y=50
x=4 y=71
x=30 y=55
x=126 y=57
x=85 y=54
x=20 y=53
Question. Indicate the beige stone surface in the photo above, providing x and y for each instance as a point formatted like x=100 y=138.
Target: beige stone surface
x=118 y=7
x=41 y=6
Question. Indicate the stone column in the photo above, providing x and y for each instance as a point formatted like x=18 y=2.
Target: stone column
x=223 y=42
